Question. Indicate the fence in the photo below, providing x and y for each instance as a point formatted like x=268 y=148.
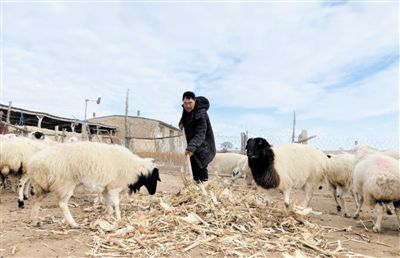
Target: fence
x=177 y=143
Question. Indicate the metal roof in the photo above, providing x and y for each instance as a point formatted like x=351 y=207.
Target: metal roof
x=20 y=116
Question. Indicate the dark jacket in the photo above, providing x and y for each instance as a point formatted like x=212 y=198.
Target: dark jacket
x=199 y=133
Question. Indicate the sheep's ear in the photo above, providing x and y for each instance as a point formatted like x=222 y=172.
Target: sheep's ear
x=156 y=174
x=261 y=142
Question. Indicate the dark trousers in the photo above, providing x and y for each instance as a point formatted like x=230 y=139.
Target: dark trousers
x=199 y=174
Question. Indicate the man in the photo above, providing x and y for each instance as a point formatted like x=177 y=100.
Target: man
x=199 y=134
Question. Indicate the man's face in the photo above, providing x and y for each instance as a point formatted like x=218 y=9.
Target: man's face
x=188 y=104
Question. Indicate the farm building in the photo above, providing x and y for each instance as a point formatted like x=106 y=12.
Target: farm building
x=144 y=134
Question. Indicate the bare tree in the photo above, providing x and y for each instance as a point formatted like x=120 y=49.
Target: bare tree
x=226 y=145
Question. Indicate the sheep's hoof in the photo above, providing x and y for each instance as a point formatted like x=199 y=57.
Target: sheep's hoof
x=25 y=198
x=74 y=225
x=338 y=208
x=37 y=224
x=320 y=187
x=389 y=212
x=355 y=216
x=21 y=204
x=346 y=215
x=376 y=229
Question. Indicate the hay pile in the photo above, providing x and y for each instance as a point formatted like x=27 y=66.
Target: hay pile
x=215 y=218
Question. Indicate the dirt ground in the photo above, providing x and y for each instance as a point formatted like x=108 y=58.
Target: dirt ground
x=20 y=239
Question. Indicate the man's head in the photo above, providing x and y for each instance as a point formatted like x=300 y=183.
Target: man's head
x=189 y=101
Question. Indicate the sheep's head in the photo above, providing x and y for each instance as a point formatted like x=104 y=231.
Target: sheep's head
x=149 y=181
x=236 y=173
x=37 y=135
x=257 y=147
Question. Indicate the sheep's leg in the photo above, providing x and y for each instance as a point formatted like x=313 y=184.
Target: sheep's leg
x=308 y=188
x=27 y=189
x=21 y=184
x=114 y=197
x=63 y=203
x=36 y=204
x=397 y=211
x=334 y=192
x=380 y=209
x=359 y=202
x=107 y=201
x=340 y=194
x=387 y=209
x=286 y=197
x=248 y=177
x=3 y=180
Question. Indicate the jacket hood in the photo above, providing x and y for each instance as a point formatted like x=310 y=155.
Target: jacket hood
x=202 y=103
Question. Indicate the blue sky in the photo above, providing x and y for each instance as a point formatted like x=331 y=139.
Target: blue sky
x=336 y=63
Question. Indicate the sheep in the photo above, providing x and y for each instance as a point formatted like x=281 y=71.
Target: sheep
x=244 y=172
x=24 y=185
x=376 y=180
x=225 y=163
x=14 y=156
x=89 y=166
x=339 y=177
x=290 y=166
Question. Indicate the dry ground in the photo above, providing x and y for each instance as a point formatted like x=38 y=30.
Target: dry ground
x=19 y=239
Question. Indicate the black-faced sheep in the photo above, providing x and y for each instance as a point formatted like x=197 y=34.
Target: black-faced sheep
x=93 y=167
x=290 y=166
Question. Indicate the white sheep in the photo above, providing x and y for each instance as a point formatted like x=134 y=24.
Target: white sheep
x=339 y=177
x=225 y=163
x=89 y=166
x=376 y=180
x=288 y=167
x=14 y=157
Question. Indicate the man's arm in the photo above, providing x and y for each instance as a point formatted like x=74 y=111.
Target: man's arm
x=200 y=129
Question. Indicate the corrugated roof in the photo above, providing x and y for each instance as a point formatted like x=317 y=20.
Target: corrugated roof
x=29 y=117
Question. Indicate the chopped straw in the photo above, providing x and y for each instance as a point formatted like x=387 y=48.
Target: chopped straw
x=211 y=219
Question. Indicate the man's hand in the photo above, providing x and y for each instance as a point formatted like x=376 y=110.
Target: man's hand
x=188 y=153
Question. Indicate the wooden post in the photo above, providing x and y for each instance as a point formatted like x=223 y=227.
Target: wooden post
x=56 y=133
x=243 y=141
x=8 y=117
x=73 y=127
x=40 y=119
x=126 y=120
x=64 y=134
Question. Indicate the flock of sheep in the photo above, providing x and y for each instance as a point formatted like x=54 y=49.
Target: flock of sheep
x=371 y=176
x=46 y=166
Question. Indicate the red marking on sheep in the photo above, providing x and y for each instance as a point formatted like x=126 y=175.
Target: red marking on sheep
x=382 y=164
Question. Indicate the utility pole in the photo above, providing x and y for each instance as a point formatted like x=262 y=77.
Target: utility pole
x=126 y=120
